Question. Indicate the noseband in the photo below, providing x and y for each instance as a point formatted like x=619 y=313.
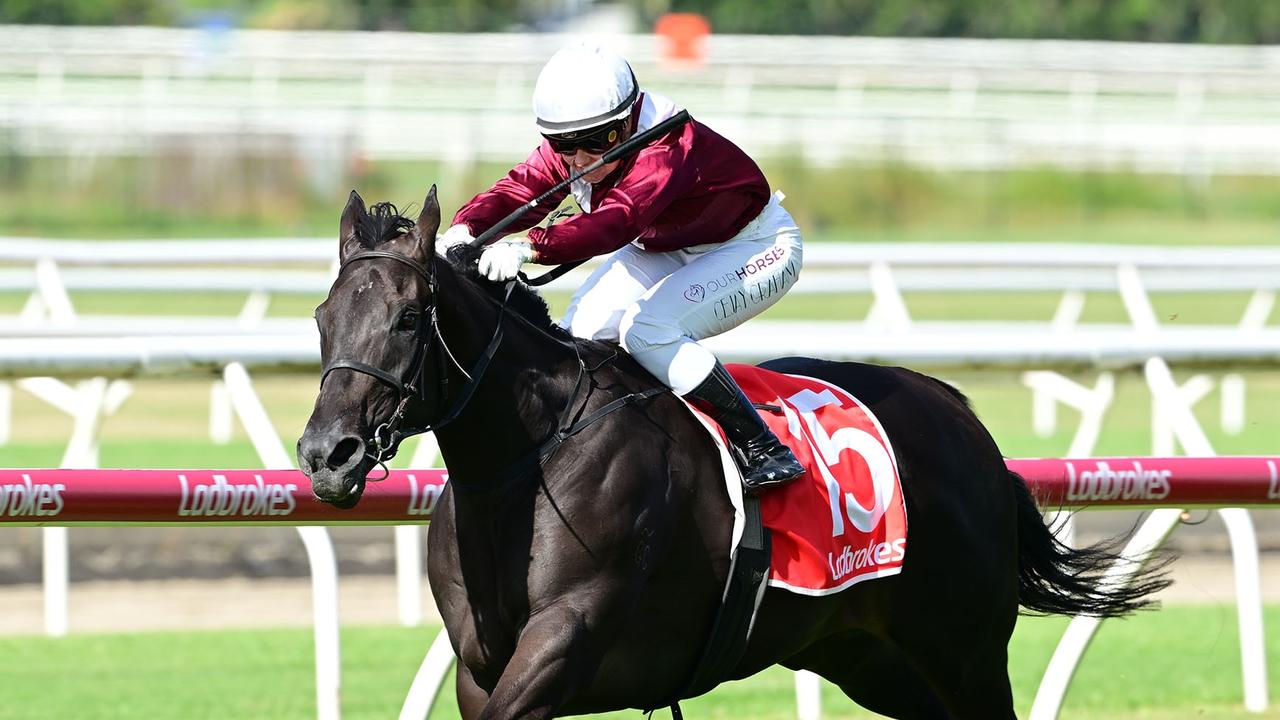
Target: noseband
x=388 y=435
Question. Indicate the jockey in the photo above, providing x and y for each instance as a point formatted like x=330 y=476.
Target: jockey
x=699 y=245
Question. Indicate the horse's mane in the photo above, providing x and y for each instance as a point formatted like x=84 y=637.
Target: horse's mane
x=384 y=222
x=381 y=223
x=525 y=301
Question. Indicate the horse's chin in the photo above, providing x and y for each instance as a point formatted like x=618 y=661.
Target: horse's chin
x=350 y=499
x=341 y=490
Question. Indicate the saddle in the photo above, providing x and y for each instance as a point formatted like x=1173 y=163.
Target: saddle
x=842 y=524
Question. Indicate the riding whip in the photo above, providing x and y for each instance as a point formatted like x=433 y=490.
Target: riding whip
x=624 y=149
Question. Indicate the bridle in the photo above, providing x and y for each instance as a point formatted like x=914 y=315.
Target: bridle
x=388 y=435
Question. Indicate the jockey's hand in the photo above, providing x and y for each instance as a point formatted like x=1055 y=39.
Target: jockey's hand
x=502 y=260
x=454 y=236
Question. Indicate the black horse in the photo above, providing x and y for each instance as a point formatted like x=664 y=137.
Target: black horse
x=580 y=571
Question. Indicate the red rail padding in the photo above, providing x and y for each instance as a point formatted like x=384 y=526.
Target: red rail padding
x=1151 y=481
x=283 y=497
x=180 y=497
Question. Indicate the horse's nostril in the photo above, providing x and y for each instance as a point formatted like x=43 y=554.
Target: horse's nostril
x=342 y=452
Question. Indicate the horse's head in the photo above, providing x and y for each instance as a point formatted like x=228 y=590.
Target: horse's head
x=375 y=335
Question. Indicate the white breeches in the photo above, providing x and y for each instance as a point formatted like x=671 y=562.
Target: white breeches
x=657 y=305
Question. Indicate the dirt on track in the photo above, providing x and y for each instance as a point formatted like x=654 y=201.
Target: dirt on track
x=142 y=605
x=100 y=606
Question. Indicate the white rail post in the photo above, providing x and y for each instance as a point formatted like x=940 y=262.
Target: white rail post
x=87 y=403
x=1050 y=388
x=1044 y=409
x=1244 y=561
x=1136 y=301
x=1076 y=639
x=1232 y=388
x=55 y=578
x=6 y=411
x=409 y=574
x=1258 y=310
x=220 y=413
x=429 y=679
x=53 y=293
x=1067 y=315
x=1244 y=543
x=1165 y=415
x=1232 y=397
x=888 y=309
x=254 y=310
x=33 y=311
x=808 y=695
x=320 y=554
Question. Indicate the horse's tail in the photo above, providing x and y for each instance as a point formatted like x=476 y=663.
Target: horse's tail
x=1056 y=579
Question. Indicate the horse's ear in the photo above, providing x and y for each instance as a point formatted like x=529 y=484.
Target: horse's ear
x=348 y=241
x=424 y=230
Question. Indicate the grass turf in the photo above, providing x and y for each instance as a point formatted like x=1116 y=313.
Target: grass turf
x=1180 y=662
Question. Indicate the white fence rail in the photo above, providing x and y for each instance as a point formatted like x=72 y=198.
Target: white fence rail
x=26 y=356
x=50 y=268
x=50 y=271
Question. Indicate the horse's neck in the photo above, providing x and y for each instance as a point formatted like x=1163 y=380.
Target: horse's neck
x=517 y=401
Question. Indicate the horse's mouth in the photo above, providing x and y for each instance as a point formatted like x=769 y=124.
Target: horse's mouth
x=340 y=489
x=349 y=499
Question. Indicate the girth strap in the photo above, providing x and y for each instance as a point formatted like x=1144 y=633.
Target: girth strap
x=735 y=617
x=737 y=613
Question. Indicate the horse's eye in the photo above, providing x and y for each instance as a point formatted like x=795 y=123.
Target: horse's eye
x=408 y=320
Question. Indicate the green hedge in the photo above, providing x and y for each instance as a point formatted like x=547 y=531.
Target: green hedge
x=1209 y=21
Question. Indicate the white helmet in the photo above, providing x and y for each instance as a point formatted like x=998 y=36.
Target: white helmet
x=583 y=86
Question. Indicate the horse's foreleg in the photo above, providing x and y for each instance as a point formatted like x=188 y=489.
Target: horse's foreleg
x=551 y=661
x=471 y=697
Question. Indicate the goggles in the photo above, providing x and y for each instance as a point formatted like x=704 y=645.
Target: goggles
x=594 y=141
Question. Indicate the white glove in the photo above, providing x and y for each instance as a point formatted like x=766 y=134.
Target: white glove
x=454 y=236
x=502 y=260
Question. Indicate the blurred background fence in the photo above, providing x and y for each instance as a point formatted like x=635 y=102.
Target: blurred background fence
x=938 y=103
x=129 y=131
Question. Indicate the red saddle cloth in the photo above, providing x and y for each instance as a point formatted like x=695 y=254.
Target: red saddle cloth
x=845 y=521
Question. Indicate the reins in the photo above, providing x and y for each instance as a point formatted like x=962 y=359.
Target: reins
x=388 y=435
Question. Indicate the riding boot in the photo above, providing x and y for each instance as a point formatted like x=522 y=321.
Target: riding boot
x=765 y=462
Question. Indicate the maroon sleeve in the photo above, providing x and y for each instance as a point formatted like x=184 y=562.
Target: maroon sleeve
x=526 y=181
x=658 y=176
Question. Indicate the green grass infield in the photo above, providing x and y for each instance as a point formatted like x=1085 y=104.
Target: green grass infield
x=1179 y=662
